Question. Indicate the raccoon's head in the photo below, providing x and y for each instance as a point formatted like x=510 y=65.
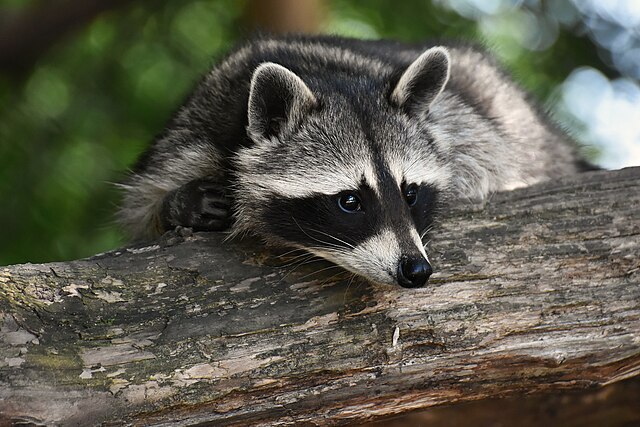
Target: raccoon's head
x=344 y=166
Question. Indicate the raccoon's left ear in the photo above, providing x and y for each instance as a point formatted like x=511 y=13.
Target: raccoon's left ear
x=422 y=81
x=278 y=100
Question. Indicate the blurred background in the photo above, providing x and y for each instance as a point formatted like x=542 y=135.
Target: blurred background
x=86 y=84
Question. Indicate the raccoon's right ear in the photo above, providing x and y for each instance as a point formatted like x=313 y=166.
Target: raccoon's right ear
x=422 y=81
x=278 y=100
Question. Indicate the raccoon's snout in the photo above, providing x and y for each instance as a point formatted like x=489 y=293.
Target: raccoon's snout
x=413 y=272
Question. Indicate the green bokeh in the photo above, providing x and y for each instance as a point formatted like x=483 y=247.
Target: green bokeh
x=71 y=127
x=73 y=124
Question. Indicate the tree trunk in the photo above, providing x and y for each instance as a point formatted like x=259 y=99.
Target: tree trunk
x=285 y=16
x=536 y=291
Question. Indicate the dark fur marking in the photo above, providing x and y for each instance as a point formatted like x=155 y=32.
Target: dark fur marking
x=318 y=220
x=201 y=204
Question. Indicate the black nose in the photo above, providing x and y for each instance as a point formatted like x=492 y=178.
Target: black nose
x=413 y=272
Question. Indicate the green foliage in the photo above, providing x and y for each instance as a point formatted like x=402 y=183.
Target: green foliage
x=71 y=129
x=79 y=119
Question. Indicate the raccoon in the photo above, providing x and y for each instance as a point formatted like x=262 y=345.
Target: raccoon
x=344 y=148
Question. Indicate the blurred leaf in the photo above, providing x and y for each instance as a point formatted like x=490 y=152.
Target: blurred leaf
x=73 y=126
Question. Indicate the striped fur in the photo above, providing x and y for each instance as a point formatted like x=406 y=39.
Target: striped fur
x=288 y=125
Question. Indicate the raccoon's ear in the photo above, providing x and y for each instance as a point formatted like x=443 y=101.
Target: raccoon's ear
x=422 y=81
x=278 y=100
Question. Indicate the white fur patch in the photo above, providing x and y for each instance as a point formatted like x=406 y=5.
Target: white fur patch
x=376 y=258
x=307 y=180
x=420 y=168
x=418 y=242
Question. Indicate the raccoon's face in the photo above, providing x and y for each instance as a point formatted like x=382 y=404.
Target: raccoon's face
x=355 y=182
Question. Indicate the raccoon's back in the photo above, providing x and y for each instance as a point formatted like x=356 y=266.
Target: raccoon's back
x=521 y=145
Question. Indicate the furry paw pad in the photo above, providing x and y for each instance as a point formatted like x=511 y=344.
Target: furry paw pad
x=202 y=204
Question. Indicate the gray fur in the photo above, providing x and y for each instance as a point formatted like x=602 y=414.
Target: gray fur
x=301 y=117
x=433 y=64
x=302 y=99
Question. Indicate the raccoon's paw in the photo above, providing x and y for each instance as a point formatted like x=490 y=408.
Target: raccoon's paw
x=201 y=204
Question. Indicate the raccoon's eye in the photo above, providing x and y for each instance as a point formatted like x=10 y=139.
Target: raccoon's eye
x=411 y=194
x=349 y=203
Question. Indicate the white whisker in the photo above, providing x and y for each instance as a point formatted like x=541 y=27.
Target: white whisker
x=320 y=271
x=328 y=244
x=333 y=237
x=344 y=296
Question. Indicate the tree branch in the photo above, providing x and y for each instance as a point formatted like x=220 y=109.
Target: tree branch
x=536 y=291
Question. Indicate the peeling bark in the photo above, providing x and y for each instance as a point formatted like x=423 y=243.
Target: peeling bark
x=536 y=291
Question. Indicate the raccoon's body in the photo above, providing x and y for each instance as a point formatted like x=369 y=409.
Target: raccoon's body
x=342 y=147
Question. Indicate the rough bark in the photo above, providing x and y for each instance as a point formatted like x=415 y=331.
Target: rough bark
x=536 y=291
x=615 y=405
